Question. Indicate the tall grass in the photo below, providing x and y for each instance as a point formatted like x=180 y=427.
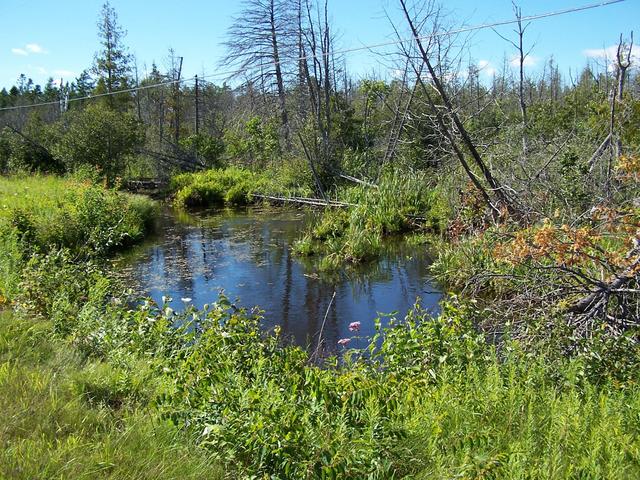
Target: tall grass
x=399 y=204
x=53 y=427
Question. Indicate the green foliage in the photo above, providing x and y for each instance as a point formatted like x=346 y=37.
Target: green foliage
x=208 y=149
x=59 y=423
x=403 y=410
x=458 y=262
x=254 y=143
x=421 y=344
x=429 y=397
x=42 y=214
x=400 y=203
x=50 y=212
x=10 y=263
x=97 y=136
x=26 y=152
x=232 y=186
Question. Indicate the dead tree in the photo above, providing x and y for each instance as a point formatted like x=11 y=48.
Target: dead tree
x=259 y=45
x=521 y=57
x=612 y=141
x=495 y=194
x=315 y=71
x=623 y=62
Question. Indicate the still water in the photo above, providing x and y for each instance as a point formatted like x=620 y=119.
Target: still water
x=247 y=254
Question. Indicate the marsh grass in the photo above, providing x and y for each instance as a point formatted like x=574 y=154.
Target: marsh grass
x=51 y=212
x=234 y=186
x=53 y=427
x=39 y=214
x=400 y=204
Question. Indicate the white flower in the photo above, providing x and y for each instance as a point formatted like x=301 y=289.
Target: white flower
x=186 y=299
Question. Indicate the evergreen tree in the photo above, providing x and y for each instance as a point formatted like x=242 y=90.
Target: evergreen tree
x=112 y=64
x=50 y=92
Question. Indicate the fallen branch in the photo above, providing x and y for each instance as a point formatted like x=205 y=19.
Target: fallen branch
x=318 y=202
x=598 y=153
x=594 y=298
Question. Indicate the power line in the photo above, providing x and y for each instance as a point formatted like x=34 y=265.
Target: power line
x=232 y=73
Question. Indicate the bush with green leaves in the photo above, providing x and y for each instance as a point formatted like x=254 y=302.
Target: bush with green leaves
x=253 y=143
x=28 y=151
x=97 y=136
x=207 y=148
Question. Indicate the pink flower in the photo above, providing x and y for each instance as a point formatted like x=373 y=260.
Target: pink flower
x=344 y=341
x=354 y=326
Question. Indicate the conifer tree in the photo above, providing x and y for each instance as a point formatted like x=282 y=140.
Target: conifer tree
x=112 y=64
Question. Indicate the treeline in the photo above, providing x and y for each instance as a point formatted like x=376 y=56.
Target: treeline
x=290 y=100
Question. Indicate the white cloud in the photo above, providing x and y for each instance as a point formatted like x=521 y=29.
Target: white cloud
x=34 y=48
x=529 y=61
x=609 y=53
x=64 y=73
x=486 y=68
x=29 y=48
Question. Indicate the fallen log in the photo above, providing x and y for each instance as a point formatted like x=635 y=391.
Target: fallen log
x=615 y=285
x=318 y=202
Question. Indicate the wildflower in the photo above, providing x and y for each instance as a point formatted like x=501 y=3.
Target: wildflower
x=186 y=300
x=344 y=341
x=354 y=326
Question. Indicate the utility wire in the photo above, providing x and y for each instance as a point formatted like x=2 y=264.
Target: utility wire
x=233 y=73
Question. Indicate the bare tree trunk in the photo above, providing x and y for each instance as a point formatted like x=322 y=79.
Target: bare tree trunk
x=278 y=72
x=622 y=65
x=495 y=187
x=521 y=57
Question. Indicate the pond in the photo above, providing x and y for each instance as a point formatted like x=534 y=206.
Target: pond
x=247 y=254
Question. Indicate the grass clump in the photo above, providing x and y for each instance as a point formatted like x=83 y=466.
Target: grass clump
x=235 y=186
x=57 y=426
x=231 y=186
x=50 y=212
x=398 y=205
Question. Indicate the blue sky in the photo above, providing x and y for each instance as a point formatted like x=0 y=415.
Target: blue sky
x=44 y=38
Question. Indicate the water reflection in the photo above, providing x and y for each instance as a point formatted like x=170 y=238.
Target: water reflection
x=247 y=254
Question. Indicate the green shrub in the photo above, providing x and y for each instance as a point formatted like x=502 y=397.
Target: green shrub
x=211 y=187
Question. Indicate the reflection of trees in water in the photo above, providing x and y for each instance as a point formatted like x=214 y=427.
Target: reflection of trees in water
x=317 y=299
x=248 y=253
x=286 y=297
